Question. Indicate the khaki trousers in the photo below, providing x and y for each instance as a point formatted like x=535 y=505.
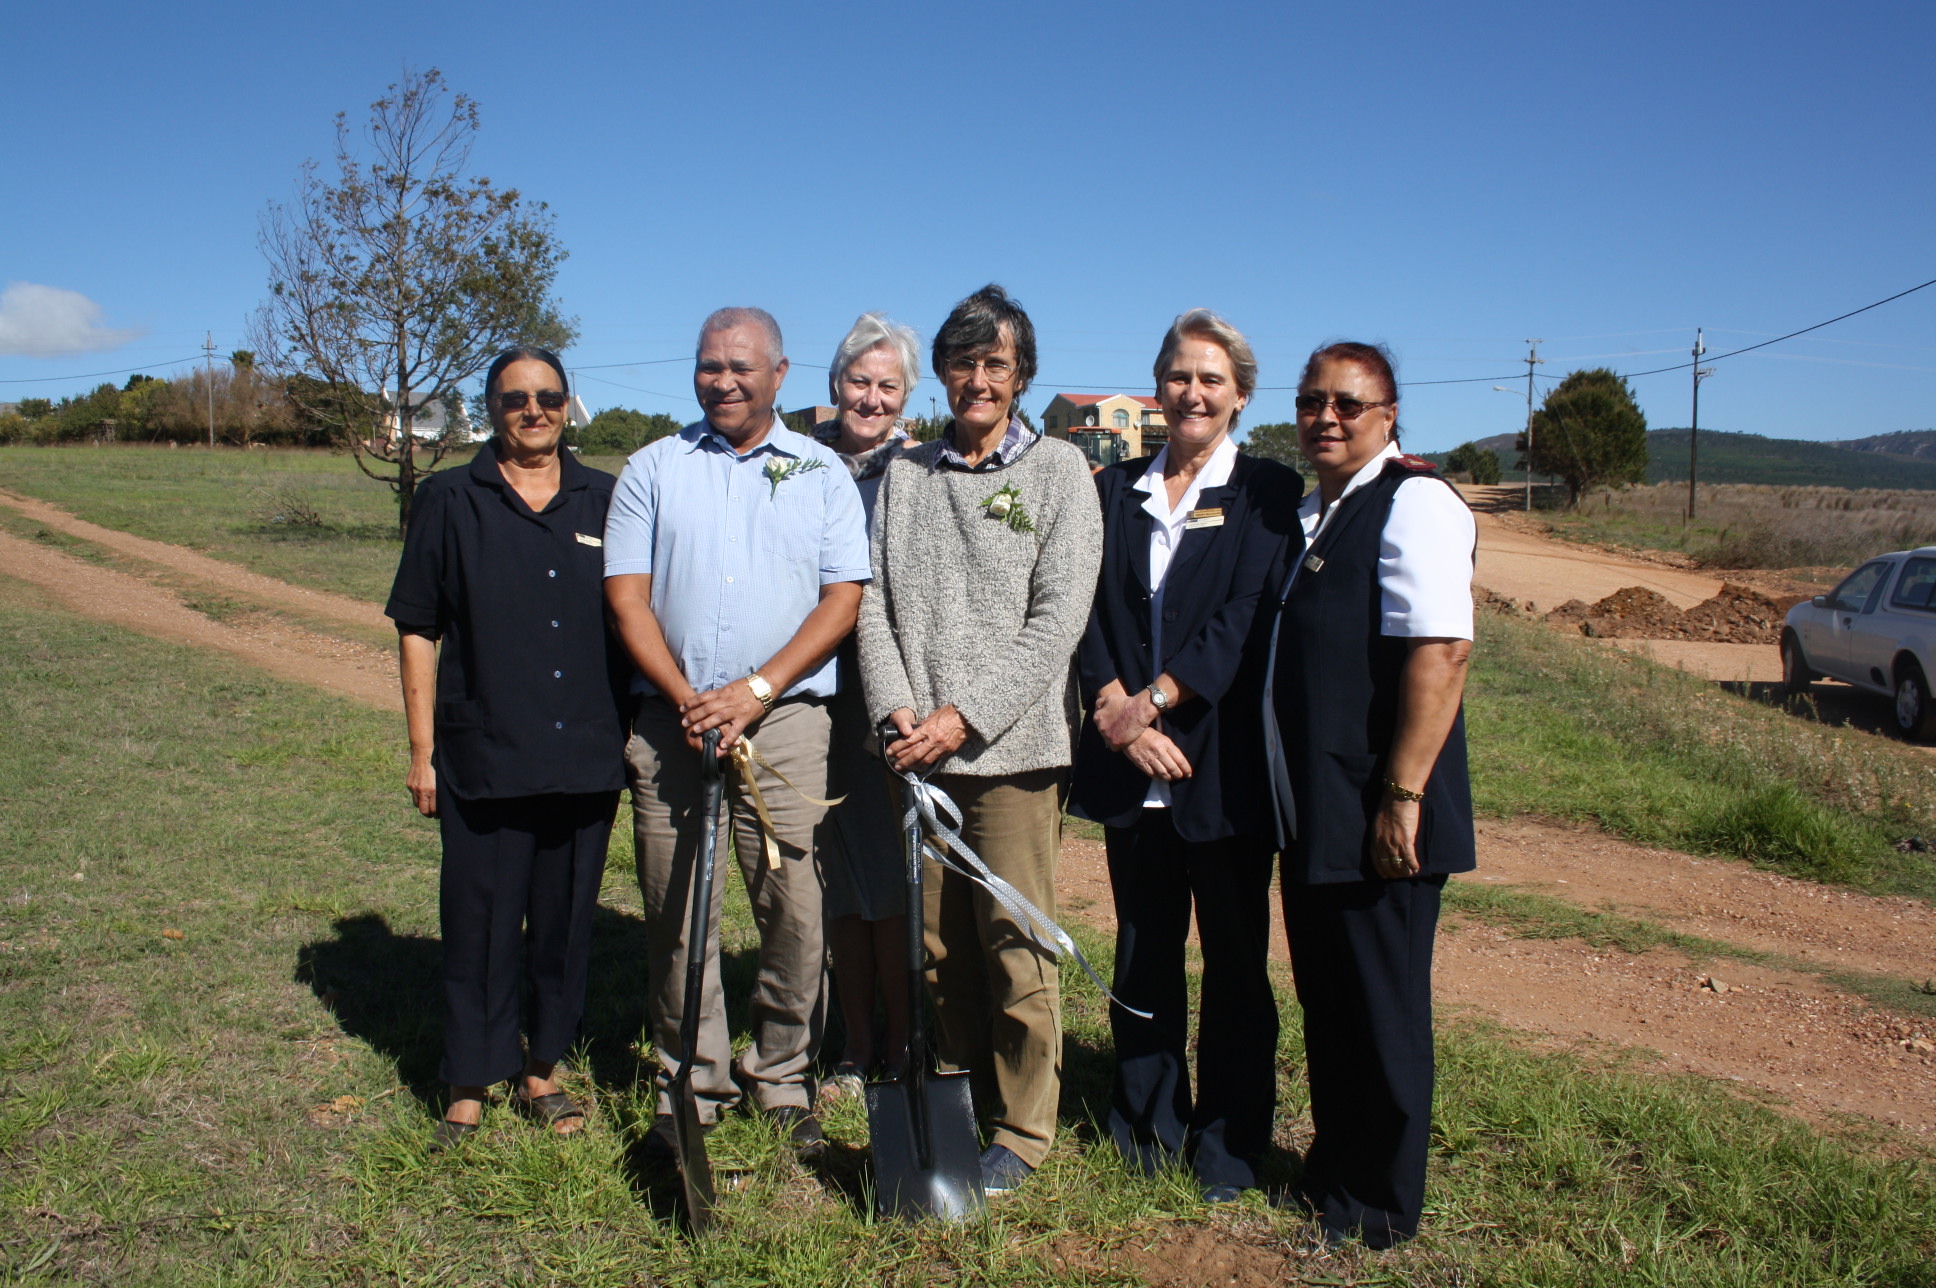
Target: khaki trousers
x=997 y=997
x=789 y=1002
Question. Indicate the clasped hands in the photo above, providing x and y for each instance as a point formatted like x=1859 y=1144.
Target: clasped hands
x=923 y=743
x=1128 y=724
x=732 y=709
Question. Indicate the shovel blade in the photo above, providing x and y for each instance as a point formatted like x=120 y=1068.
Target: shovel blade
x=695 y=1169
x=944 y=1178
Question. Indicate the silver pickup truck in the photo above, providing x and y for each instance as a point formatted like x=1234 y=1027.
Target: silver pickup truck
x=1877 y=631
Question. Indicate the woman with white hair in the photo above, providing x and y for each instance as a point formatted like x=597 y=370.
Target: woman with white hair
x=859 y=841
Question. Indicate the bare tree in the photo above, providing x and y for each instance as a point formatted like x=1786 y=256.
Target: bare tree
x=396 y=283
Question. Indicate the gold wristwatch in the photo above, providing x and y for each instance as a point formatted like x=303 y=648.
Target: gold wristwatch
x=761 y=690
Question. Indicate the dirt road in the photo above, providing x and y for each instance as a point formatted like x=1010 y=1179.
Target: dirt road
x=1789 y=1033
x=319 y=605
x=1528 y=566
x=261 y=639
x=1818 y=1050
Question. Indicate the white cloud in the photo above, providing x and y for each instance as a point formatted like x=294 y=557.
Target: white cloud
x=39 y=321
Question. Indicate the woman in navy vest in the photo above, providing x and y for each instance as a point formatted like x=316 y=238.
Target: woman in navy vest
x=1367 y=750
x=1171 y=763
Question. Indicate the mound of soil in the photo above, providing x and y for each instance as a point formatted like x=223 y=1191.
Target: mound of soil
x=1635 y=613
x=1738 y=615
x=1572 y=613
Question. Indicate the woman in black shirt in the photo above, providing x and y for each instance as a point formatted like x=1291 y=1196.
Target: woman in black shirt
x=516 y=738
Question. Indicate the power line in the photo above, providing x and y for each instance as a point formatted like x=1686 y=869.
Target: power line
x=1683 y=366
x=684 y=397
x=89 y=375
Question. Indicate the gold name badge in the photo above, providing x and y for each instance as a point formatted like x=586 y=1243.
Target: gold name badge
x=1212 y=518
x=584 y=540
x=1312 y=563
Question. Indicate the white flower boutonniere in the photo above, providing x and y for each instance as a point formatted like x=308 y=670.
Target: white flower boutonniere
x=779 y=471
x=1005 y=506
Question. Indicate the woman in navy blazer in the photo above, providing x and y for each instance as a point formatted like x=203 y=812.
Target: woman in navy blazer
x=1171 y=762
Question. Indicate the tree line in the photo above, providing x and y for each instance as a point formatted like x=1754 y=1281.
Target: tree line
x=249 y=407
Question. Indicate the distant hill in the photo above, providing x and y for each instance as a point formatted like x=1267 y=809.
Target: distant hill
x=1750 y=458
x=1915 y=444
x=1903 y=460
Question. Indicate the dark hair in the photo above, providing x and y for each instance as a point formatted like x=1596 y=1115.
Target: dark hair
x=1375 y=358
x=524 y=353
x=977 y=323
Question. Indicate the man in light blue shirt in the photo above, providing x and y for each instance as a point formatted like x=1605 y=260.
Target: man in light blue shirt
x=734 y=557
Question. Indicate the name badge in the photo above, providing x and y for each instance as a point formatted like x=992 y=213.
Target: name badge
x=584 y=540
x=1312 y=563
x=1212 y=518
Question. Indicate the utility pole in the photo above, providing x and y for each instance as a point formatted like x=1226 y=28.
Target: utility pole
x=1694 y=426
x=208 y=352
x=1532 y=360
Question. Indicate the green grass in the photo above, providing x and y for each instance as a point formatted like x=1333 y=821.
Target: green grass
x=1666 y=758
x=250 y=1104
x=222 y=504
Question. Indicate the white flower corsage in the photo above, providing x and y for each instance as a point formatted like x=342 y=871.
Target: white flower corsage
x=779 y=470
x=1006 y=507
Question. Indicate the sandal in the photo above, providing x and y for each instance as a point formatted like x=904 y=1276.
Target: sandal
x=551 y=1109
x=450 y=1135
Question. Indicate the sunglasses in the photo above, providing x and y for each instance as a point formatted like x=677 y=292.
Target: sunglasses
x=1348 y=408
x=518 y=399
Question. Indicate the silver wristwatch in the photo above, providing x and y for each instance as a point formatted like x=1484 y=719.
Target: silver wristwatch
x=1158 y=699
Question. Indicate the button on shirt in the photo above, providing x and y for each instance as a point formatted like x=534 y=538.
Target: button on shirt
x=737 y=556
x=1424 y=556
x=1166 y=533
x=526 y=699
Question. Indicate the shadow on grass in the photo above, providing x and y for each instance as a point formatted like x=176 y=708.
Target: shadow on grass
x=386 y=989
x=1827 y=703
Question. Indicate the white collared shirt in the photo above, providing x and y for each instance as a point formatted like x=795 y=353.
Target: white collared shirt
x=1166 y=534
x=1424 y=556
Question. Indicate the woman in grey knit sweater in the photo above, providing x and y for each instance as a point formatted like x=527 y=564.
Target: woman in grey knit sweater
x=986 y=544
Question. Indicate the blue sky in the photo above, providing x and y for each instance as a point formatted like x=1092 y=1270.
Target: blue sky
x=1450 y=179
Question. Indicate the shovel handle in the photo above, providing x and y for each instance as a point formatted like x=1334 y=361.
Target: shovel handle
x=709 y=766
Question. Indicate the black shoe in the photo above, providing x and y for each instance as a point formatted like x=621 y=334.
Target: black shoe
x=662 y=1140
x=801 y=1128
x=1001 y=1170
x=449 y=1135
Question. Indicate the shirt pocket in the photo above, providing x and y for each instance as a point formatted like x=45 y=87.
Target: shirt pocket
x=790 y=523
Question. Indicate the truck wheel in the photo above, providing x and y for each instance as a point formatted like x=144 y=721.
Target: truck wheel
x=1915 y=715
x=1795 y=675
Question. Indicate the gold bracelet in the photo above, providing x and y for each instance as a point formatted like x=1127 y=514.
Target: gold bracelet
x=761 y=690
x=1403 y=793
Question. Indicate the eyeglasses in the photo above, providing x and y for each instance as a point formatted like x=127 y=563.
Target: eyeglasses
x=998 y=370
x=1348 y=408
x=518 y=399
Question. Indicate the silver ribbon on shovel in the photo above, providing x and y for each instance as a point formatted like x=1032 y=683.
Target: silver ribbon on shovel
x=941 y=819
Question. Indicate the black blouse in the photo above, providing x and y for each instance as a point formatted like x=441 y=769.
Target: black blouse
x=529 y=679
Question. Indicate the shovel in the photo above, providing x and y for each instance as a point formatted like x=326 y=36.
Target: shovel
x=927 y=1153
x=695 y=1170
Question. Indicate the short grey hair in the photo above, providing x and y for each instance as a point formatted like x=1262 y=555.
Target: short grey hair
x=873 y=331
x=727 y=319
x=1202 y=324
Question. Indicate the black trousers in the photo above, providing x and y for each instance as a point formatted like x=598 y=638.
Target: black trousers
x=520 y=880
x=1156 y=876
x=1363 y=956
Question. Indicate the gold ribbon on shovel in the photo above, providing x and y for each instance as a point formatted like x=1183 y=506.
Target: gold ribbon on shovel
x=744 y=756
